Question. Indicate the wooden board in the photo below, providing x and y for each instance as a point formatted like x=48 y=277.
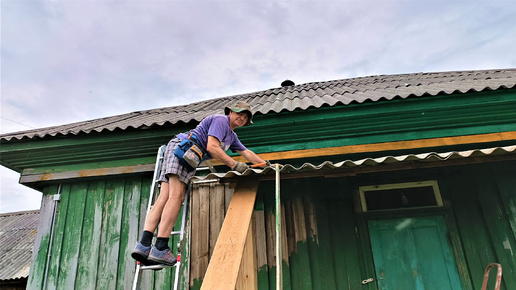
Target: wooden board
x=217 y=208
x=227 y=255
x=247 y=276
x=385 y=146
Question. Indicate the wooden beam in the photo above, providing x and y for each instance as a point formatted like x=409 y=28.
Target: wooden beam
x=226 y=262
x=31 y=178
x=27 y=177
x=385 y=146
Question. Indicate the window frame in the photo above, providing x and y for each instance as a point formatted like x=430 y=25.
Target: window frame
x=388 y=186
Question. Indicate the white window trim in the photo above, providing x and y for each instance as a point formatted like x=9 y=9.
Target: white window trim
x=433 y=183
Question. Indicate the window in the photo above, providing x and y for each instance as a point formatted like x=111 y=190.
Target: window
x=400 y=196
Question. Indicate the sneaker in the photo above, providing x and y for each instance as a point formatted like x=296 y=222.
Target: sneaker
x=141 y=254
x=164 y=257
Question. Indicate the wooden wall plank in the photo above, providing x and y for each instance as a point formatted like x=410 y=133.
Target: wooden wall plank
x=310 y=216
x=40 y=253
x=324 y=275
x=285 y=268
x=300 y=273
x=72 y=239
x=147 y=277
x=507 y=189
x=110 y=237
x=270 y=227
x=261 y=249
x=216 y=213
x=228 y=194
x=338 y=237
x=129 y=232
x=57 y=244
x=204 y=229
x=228 y=252
x=92 y=226
x=350 y=243
x=290 y=228
x=261 y=241
x=499 y=230
x=195 y=232
x=477 y=248
x=247 y=276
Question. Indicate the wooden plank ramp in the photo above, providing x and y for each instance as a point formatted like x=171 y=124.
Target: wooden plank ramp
x=233 y=264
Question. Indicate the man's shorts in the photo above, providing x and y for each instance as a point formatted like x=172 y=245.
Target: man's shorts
x=171 y=164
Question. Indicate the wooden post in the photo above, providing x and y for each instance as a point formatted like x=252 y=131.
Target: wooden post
x=228 y=255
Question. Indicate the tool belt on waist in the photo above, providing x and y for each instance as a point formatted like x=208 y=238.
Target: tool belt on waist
x=190 y=153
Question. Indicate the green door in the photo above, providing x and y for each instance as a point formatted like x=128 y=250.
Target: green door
x=413 y=253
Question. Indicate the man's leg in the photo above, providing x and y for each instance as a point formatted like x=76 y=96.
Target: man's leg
x=161 y=252
x=143 y=248
x=176 y=196
x=154 y=216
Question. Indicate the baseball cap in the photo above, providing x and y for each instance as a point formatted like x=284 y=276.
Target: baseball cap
x=241 y=106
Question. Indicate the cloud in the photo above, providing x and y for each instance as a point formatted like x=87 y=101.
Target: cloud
x=15 y=197
x=68 y=61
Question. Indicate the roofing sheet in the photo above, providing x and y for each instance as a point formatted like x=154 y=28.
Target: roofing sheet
x=17 y=234
x=423 y=157
x=302 y=96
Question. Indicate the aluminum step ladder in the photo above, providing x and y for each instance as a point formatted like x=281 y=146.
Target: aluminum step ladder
x=152 y=198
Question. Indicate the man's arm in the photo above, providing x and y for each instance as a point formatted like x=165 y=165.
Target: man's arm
x=213 y=147
x=251 y=156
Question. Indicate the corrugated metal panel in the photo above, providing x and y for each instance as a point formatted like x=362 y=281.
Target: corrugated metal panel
x=303 y=96
x=423 y=157
x=17 y=234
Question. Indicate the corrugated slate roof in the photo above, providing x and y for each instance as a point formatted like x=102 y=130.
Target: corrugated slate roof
x=423 y=157
x=303 y=96
x=17 y=234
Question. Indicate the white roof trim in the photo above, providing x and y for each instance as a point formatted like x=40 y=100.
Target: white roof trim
x=423 y=157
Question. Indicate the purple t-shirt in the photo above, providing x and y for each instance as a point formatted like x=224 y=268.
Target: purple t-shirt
x=218 y=127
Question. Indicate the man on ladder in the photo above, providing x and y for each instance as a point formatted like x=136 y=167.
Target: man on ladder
x=210 y=139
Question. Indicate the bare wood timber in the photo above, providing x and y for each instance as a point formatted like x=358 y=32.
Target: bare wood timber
x=270 y=241
x=228 y=194
x=228 y=254
x=386 y=146
x=194 y=250
x=261 y=238
x=26 y=177
x=247 y=278
x=216 y=213
x=204 y=229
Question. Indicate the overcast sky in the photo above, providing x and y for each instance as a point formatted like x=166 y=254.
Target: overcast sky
x=69 y=61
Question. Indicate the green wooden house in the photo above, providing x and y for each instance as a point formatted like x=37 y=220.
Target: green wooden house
x=389 y=182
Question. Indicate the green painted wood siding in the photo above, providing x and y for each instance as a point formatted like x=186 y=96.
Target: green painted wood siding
x=328 y=245
x=98 y=223
x=354 y=124
x=383 y=121
x=322 y=247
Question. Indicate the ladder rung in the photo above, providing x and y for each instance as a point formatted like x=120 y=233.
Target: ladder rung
x=158 y=267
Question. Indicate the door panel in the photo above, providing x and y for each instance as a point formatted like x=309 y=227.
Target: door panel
x=413 y=253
